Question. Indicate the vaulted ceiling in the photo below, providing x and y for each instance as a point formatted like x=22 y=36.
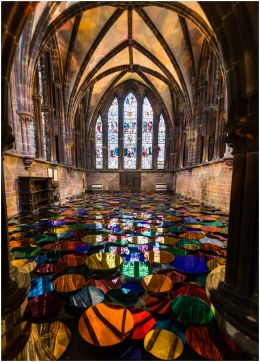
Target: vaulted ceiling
x=104 y=43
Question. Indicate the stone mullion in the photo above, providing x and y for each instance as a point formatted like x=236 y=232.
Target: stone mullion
x=218 y=128
x=206 y=136
x=156 y=120
x=181 y=142
x=58 y=104
x=52 y=137
x=90 y=151
x=222 y=142
x=82 y=144
x=38 y=124
x=104 y=119
x=121 y=134
x=139 y=135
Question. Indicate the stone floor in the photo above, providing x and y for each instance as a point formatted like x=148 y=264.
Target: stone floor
x=156 y=255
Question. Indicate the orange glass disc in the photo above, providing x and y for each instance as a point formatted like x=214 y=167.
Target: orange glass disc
x=105 y=324
x=192 y=236
x=159 y=257
x=167 y=240
x=69 y=283
x=191 y=247
x=157 y=283
x=72 y=260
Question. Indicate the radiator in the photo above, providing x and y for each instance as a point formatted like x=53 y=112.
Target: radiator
x=161 y=187
x=97 y=187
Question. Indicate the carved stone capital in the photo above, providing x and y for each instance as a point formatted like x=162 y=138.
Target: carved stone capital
x=25 y=117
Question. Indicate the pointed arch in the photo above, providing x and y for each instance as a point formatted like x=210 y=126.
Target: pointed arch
x=113 y=135
x=161 y=143
x=130 y=131
x=147 y=135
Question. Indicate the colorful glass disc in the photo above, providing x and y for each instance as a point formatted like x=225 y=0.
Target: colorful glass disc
x=105 y=324
x=143 y=323
x=104 y=261
x=69 y=283
x=47 y=342
x=192 y=309
x=157 y=283
x=86 y=297
x=163 y=344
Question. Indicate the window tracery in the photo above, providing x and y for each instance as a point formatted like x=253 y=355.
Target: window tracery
x=130 y=131
x=99 y=144
x=161 y=143
x=131 y=139
x=147 y=135
x=113 y=135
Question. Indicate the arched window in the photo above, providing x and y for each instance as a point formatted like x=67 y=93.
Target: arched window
x=113 y=135
x=147 y=135
x=130 y=135
x=99 y=144
x=130 y=131
x=161 y=144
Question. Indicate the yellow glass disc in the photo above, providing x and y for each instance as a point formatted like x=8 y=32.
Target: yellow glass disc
x=104 y=261
x=163 y=344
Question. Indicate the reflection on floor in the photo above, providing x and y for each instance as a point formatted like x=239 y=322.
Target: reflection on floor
x=121 y=277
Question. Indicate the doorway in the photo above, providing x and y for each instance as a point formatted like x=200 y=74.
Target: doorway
x=130 y=181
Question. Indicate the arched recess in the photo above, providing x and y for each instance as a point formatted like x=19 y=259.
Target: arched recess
x=48 y=105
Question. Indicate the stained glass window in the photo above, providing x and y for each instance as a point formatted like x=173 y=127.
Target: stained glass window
x=147 y=135
x=99 y=144
x=113 y=135
x=130 y=131
x=161 y=144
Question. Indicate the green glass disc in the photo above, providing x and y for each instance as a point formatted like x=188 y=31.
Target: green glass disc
x=192 y=309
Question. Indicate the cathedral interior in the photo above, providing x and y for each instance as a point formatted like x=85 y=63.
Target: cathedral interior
x=129 y=180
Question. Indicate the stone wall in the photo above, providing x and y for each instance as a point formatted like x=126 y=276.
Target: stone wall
x=209 y=184
x=111 y=180
x=150 y=179
x=71 y=181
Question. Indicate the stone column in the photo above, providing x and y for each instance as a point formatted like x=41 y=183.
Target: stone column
x=69 y=142
x=38 y=125
x=219 y=123
x=59 y=116
x=237 y=298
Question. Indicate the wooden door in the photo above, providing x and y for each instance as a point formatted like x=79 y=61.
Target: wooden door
x=130 y=181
